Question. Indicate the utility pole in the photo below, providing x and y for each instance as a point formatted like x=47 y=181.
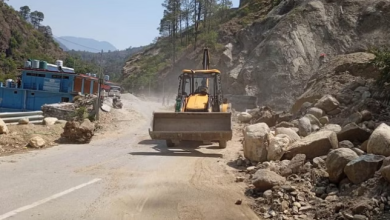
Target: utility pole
x=100 y=82
x=149 y=86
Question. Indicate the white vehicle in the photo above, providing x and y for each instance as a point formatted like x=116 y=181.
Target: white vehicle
x=114 y=91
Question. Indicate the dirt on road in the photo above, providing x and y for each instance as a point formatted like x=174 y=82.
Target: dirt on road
x=140 y=178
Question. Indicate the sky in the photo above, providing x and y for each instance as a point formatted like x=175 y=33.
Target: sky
x=123 y=23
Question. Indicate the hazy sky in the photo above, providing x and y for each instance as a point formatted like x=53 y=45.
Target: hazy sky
x=123 y=23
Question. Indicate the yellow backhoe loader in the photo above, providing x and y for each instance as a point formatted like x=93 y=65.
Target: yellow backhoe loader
x=201 y=112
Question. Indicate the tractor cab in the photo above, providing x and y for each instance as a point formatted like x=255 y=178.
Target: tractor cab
x=199 y=91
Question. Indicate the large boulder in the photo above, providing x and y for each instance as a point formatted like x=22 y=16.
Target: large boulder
x=256 y=142
x=363 y=167
x=36 y=142
x=244 y=117
x=336 y=161
x=277 y=146
x=265 y=179
x=379 y=142
x=315 y=145
x=289 y=132
x=352 y=132
x=79 y=132
x=3 y=127
x=327 y=103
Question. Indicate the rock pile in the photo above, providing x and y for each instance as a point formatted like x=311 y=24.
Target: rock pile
x=78 y=132
x=310 y=168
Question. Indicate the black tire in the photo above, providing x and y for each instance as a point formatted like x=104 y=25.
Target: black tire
x=169 y=143
x=222 y=144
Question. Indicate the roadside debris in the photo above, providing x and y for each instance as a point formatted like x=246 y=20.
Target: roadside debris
x=75 y=131
x=308 y=168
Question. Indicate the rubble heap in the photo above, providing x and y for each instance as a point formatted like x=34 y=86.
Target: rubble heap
x=311 y=168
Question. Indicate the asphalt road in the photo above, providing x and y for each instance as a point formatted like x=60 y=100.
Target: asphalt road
x=123 y=177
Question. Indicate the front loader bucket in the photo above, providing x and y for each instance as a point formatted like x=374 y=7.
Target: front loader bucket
x=191 y=126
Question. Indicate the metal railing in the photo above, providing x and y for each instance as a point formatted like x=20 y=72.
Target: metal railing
x=34 y=117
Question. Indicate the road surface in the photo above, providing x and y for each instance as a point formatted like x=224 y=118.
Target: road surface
x=126 y=176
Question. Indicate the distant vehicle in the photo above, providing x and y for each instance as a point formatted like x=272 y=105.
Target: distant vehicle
x=114 y=91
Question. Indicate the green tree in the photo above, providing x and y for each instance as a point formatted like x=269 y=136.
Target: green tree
x=36 y=18
x=25 y=12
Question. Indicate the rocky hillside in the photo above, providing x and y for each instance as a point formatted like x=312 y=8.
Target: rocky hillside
x=272 y=51
x=20 y=41
x=328 y=160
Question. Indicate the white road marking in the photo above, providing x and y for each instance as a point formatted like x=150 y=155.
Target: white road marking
x=27 y=207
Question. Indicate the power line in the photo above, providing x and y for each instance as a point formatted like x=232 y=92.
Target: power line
x=78 y=44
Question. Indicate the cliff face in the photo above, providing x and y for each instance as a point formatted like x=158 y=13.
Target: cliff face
x=275 y=56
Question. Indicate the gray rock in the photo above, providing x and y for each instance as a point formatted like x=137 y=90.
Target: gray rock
x=49 y=121
x=314 y=145
x=317 y=112
x=294 y=166
x=379 y=142
x=385 y=171
x=366 y=115
x=346 y=144
x=332 y=127
x=336 y=161
x=359 y=217
x=3 y=127
x=356 y=117
x=265 y=179
x=318 y=162
x=363 y=147
x=304 y=126
x=277 y=146
x=363 y=167
x=37 y=142
x=324 y=120
x=353 y=132
x=327 y=103
x=285 y=124
x=244 y=117
x=358 y=151
x=289 y=132
x=24 y=121
x=256 y=142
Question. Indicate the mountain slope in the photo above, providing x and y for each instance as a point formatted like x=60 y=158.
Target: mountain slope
x=272 y=51
x=112 y=62
x=85 y=44
x=20 y=41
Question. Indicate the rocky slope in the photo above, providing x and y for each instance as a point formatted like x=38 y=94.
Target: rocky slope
x=328 y=160
x=279 y=51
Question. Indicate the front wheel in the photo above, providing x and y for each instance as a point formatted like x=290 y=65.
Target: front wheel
x=222 y=144
x=169 y=143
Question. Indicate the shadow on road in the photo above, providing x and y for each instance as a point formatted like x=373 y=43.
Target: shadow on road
x=184 y=149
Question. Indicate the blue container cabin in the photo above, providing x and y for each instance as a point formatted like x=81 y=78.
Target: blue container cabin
x=41 y=86
x=37 y=88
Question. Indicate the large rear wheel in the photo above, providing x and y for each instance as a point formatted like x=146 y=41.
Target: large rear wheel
x=169 y=143
x=222 y=144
